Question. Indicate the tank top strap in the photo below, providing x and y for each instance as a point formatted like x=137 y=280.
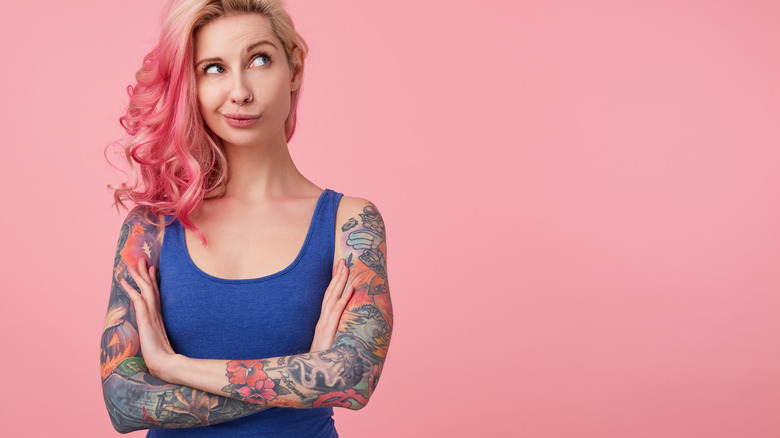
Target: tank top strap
x=323 y=233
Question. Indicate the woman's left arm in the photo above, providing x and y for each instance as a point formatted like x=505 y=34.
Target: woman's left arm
x=344 y=375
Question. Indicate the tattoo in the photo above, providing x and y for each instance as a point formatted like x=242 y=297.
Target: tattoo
x=366 y=325
x=374 y=260
x=198 y=405
x=119 y=340
x=338 y=368
x=348 y=399
x=352 y=223
x=344 y=376
x=134 y=398
x=138 y=239
x=347 y=374
x=372 y=220
x=291 y=384
x=369 y=239
x=249 y=381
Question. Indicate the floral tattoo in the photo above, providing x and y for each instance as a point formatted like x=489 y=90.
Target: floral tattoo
x=248 y=380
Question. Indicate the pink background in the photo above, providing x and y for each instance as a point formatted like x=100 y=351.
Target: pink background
x=582 y=200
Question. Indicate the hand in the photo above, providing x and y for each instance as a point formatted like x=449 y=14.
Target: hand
x=156 y=348
x=333 y=304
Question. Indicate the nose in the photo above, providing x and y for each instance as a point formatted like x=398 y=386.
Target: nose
x=240 y=94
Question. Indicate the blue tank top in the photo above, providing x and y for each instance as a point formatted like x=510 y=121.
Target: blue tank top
x=213 y=318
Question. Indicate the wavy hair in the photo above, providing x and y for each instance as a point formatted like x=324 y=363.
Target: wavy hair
x=176 y=160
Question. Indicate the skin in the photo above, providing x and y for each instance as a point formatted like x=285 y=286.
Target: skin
x=145 y=383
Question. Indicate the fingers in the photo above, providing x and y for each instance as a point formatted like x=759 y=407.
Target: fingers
x=345 y=297
x=337 y=283
x=130 y=291
x=147 y=293
x=329 y=290
x=145 y=272
x=335 y=300
x=338 y=293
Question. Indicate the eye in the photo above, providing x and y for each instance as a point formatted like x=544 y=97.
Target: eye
x=213 y=69
x=260 y=60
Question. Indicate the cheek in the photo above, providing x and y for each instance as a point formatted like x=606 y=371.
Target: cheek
x=208 y=98
x=208 y=104
x=281 y=98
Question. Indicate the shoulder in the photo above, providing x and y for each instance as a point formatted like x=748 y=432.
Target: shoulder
x=141 y=235
x=143 y=215
x=358 y=213
x=360 y=232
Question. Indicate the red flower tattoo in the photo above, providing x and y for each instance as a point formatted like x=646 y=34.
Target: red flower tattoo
x=250 y=381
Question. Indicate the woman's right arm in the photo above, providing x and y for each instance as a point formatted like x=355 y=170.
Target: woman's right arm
x=134 y=398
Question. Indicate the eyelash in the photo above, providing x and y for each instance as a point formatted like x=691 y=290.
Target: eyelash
x=205 y=69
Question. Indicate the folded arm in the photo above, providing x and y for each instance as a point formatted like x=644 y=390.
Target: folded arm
x=344 y=375
x=135 y=399
x=183 y=393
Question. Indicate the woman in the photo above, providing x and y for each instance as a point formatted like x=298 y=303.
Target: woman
x=272 y=292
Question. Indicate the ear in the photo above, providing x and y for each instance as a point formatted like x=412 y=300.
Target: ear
x=296 y=69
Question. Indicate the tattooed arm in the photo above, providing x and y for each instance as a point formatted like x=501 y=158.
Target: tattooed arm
x=344 y=375
x=135 y=399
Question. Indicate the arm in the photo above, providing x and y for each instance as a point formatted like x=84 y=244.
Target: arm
x=135 y=399
x=344 y=375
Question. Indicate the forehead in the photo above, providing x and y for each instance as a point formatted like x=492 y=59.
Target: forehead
x=232 y=33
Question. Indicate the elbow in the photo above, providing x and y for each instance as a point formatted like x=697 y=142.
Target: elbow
x=357 y=406
x=365 y=388
x=117 y=418
x=118 y=412
x=123 y=429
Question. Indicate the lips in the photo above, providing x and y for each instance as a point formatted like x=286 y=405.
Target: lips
x=240 y=120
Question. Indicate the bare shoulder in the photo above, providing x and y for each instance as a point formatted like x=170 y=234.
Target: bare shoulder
x=357 y=213
x=360 y=236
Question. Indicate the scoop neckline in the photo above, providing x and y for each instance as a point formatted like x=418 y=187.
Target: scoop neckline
x=289 y=268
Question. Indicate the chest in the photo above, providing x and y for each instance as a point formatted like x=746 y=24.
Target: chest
x=266 y=316
x=249 y=244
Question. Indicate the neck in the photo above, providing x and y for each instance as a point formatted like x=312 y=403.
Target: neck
x=256 y=173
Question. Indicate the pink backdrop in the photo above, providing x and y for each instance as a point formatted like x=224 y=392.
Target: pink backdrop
x=582 y=201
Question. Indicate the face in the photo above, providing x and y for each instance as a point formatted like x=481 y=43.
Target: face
x=244 y=80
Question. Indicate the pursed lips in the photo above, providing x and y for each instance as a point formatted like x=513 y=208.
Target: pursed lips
x=240 y=116
x=240 y=120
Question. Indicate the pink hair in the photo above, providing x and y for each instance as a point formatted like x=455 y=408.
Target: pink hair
x=175 y=159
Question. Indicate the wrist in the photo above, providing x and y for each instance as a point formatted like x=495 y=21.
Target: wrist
x=171 y=367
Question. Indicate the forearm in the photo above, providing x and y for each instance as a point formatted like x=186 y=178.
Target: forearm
x=344 y=375
x=137 y=400
x=336 y=377
x=134 y=398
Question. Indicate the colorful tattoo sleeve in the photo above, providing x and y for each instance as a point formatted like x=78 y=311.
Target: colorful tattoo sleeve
x=343 y=376
x=347 y=374
x=134 y=398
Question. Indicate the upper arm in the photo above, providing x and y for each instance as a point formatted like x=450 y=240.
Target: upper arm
x=367 y=322
x=134 y=398
x=139 y=238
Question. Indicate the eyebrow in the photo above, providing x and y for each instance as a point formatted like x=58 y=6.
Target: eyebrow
x=249 y=48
